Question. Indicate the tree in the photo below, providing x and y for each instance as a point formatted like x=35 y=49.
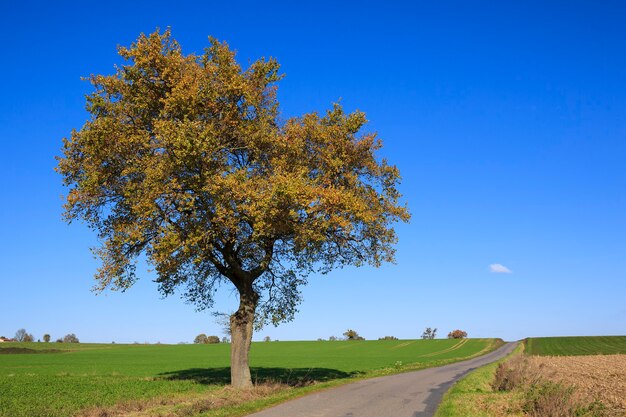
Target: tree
x=352 y=335
x=429 y=333
x=267 y=339
x=457 y=334
x=186 y=160
x=19 y=335
x=46 y=337
x=22 y=336
x=212 y=339
x=333 y=338
x=70 y=338
x=200 y=339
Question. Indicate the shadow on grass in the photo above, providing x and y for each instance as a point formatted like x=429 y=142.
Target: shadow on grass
x=293 y=377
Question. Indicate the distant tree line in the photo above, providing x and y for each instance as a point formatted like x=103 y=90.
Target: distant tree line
x=429 y=333
x=23 y=336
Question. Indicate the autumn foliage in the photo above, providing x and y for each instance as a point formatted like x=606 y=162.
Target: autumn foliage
x=352 y=335
x=186 y=161
x=457 y=334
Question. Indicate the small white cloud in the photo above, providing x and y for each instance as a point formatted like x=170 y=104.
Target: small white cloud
x=499 y=269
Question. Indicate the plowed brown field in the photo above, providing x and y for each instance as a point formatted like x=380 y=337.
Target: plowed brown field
x=596 y=377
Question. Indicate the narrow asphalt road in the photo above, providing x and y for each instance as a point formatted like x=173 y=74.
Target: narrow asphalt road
x=412 y=394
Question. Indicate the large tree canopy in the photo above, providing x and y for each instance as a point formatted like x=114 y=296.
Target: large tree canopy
x=186 y=160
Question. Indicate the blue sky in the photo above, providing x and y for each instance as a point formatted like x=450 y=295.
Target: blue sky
x=507 y=123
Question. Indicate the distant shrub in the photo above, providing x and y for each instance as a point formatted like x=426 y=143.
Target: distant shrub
x=515 y=373
x=549 y=399
x=203 y=339
x=46 y=337
x=19 y=335
x=22 y=336
x=457 y=334
x=267 y=339
x=352 y=335
x=59 y=340
x=388 y=338
x=333 y=338
x=429 y=333
x=70 y=338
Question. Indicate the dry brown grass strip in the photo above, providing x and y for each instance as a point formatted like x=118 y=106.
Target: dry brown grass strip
x=187 y=405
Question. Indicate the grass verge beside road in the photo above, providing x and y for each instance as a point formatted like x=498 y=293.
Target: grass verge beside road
x=474 y=396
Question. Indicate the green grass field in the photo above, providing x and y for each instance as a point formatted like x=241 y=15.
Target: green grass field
x=79 y=376
x=581 y=345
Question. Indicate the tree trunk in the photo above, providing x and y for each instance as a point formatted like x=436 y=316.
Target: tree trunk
x=241 y=327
